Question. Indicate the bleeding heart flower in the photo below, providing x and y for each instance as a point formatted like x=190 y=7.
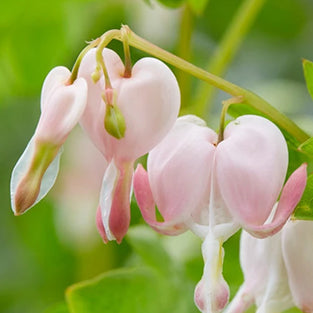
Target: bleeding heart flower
x=213 y=189
x=61 y=108
x=250 y=168
x=149 y=102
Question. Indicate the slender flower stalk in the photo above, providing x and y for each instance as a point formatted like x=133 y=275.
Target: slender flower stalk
x=249 y=97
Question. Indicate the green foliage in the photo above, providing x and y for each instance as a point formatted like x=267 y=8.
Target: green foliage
x=172 y=3
x=308 y=74
x=58 y=308
x=147 y=244
x=198 y=6
x=304 y=209
x=152 y=285
x=307 y=148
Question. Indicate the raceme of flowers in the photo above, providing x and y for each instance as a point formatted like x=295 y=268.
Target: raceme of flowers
x=197 y=182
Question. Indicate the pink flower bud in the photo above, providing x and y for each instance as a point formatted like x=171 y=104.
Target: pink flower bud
x=298 y=256
x=61 y=107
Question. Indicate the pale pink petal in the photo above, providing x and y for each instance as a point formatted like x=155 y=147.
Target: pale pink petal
x=147 y=207
x=250 y=166
x=56 y=78
x=180 y=169
x=149 y=101
x=62 y=108
x=297 y=246
x=290 y=196
x=28 y=188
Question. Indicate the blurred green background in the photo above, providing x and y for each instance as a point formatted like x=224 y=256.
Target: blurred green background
x=40 y=257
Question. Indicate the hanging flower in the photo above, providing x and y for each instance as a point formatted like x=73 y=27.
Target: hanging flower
x=216 y=188
x=61 y=108
x=148 y=102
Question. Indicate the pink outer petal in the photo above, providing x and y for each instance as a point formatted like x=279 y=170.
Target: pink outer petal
x=62 y=106
x=149 y=101
x=56 y=78
x=146 y=205
x=290 y=197
x=119 y=219
x=297 y=246
x=250 y=168
x=180 y=169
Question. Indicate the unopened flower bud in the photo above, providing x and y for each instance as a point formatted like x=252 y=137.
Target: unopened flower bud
x=114 y=121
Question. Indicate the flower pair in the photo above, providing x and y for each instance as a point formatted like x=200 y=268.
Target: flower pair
x=277 y=270
x=148 y=102
x=215 y=188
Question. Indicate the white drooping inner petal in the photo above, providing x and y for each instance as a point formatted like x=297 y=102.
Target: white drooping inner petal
x=106 y=196
x=21 y=169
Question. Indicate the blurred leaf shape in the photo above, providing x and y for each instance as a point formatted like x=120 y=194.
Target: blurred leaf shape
x=58 y=308
x=304 y=210
x=307 y=148
x=172 y=3
x=308 y=74
x=146 y=244
x=198 y=6
x=127 y=290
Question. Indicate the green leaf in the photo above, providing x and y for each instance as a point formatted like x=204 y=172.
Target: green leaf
x=304 y=210
x=198 y=6
x=147 y=244
x=307 y=147
x=172 y=3
x=308 y=74
x=138 y=290
x=58 y=308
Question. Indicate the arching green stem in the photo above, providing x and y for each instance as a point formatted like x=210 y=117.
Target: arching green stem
x=106 y=38
x=226 y=105
x=73 y=76
x=247 y=96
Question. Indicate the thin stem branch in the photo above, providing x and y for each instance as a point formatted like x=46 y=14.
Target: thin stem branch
x=106 y=38
x=248 y=97
x=127 y=57
x=227 y=49
x=73 y=76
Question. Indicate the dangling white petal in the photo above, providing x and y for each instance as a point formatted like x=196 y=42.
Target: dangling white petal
x=22 y=167
x=106 y=196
